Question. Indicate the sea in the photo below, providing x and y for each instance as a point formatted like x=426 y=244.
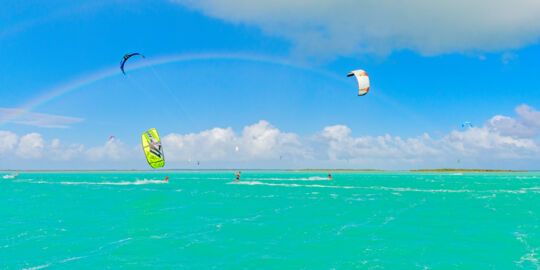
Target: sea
x=269 y=220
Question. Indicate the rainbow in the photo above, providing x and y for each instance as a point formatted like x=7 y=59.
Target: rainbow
x=87 y=79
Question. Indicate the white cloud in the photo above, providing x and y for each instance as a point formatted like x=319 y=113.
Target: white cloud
x=529 y=115
x=8 y=141
x=63 y=152
x=30 y=146
x=112 y=150
x=501 y=141
x=526 y=126
x=345 y=27
x=37 y=119
x=258 y=141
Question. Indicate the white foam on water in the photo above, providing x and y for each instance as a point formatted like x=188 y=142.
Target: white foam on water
x=251 y=183
x=532 y=254
x=72 y=259
x=123 y=183
x=37 y=267
x=526 y=177
x=396 y=189
x=388 y=219
x=159 y=236
x=312 y=178
x=399 y=189
x=121 y=240
x=487 y=196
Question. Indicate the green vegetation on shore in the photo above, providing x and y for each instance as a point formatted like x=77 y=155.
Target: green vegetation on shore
x=462 y=170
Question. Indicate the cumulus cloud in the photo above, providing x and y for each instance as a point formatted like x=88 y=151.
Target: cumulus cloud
x=345 y=27
x=8 y=141
x=511 y=141
x=112 y=150
x=61 y=152
x=258 y=141
x=336 y=143
x=37 y=119
x=30 y=146
x=500 y=138
x=526 y=125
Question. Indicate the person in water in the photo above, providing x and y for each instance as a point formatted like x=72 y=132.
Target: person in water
x=237 y=176
x=329 y=176
x=167 y=179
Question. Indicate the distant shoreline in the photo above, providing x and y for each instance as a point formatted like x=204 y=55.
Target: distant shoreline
x=418 y=170
x=464 y=170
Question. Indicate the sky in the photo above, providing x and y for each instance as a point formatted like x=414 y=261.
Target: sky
x=269 y=77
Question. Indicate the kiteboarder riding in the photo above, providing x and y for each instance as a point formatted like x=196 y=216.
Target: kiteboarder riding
x=329 y=176
x=237 y=176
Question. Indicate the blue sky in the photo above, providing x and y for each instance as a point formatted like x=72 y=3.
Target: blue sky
x=279 y=62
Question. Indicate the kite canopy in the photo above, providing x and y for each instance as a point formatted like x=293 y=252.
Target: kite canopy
x=466 y=124
x=126 y=57
x=152 y=148
x=363 y=81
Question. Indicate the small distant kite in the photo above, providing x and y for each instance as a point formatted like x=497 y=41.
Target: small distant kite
x=237 y=149
x=363 y=81
x=126 y=57
x=112 y=137
x=466 y=124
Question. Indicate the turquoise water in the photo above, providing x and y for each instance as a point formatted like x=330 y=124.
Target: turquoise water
x=270 y=220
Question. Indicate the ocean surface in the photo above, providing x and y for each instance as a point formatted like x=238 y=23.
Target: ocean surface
x=269 y=220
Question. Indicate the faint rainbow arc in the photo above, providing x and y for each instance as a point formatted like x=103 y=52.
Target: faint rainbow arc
x=105 y=73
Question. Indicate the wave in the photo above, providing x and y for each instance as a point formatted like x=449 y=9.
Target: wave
x=394 y=189
x=38 y=267
x=285 y=185
x=344 y=187
x=312 y=178
x=123 y=183
x=72 y=259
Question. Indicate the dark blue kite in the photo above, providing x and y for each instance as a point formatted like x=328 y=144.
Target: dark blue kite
x=126 y=57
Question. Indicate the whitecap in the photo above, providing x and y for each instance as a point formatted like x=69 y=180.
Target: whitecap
x=37 y=267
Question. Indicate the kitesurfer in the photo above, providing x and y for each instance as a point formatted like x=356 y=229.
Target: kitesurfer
x=166 y=179
x=237 y=176
x=329 y=176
